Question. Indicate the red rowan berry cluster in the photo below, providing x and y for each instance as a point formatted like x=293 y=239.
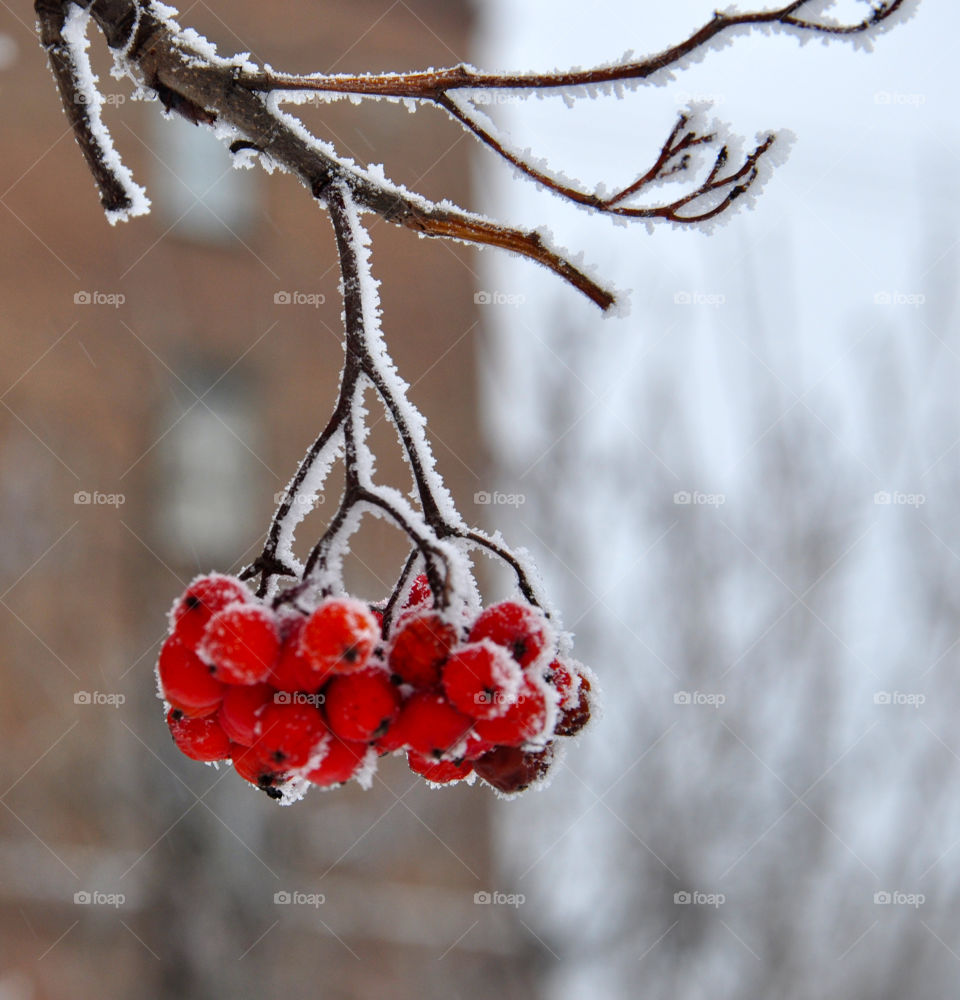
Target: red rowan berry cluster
x=294 y=699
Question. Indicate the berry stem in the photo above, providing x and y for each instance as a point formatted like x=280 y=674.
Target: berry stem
x=433 y=529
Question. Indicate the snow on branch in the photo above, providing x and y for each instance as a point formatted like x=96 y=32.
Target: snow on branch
x=242 y=103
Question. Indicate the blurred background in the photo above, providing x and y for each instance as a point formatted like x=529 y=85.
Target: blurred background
x=742 y=498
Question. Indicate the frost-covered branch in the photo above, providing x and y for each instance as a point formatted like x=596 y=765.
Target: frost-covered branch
x=242 y=103
x=439 y=537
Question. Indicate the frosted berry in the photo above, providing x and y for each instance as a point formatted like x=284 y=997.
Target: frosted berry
x=248 y=764
x=290 y=734
x=241 y=644
x=199 y=739
x=186 y=680
x=361 y=705
x=240 y=712
x=575 y=713
x=341 y=762
x=481 y=680
x=440 y=772
x=510 y=770
x=519 y=628
x=430 y=725
x=420 y=648
x=522 y=721
x=203 y=599
x=339 y=637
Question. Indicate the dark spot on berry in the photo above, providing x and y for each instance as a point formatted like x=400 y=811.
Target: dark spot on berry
x=519 y=649
x=488 y=695
x=273 y=792
x=192 y=602
x=381 y=729
x=279 y=756
x=396 y=679
x=351 y=655
x=176 y=714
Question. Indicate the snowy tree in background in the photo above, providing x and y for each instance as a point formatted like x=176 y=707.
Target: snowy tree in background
x=299 y=683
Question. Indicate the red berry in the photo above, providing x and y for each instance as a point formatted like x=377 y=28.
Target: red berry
x=519 y=628
x=524 y=720
x=248 y=764
x=559 y=676
x=509 y=769
x=361 y=705
x=440 y=772
x=420 y=648
x=241 y=643
x=430 y=725
x=341 y=762
x=290 y=733
x=576 y=713
x=186 y=680
x=205 y=596
x=481 y=680
x=199 y=739
x=339 y=637
x=291 y=671
x=241 y=710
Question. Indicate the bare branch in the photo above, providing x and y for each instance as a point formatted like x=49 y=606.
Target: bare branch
x=435 y=84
